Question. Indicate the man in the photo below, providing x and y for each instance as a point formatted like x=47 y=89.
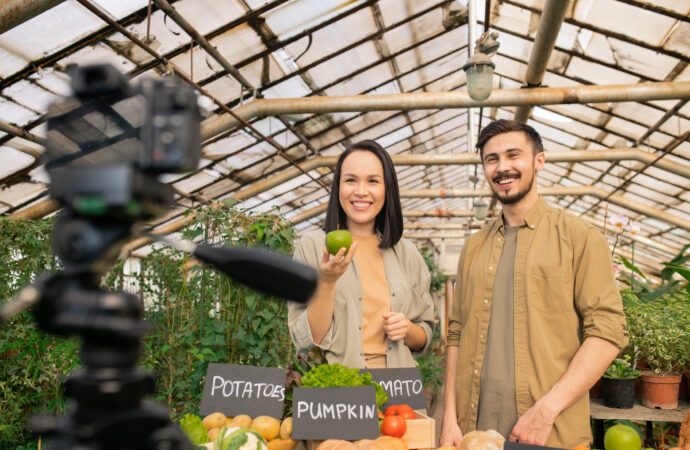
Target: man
x=537 y=315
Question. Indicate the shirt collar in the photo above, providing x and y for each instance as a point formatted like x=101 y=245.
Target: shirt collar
x=531 y=220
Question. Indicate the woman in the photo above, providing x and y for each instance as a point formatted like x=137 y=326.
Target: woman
x=372 y=307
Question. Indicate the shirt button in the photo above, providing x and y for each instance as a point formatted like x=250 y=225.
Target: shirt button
x=486 y=300
x=491 y=267
x=498 y=239
x=359 y=327
x=481 y=336
x=360 y=299
x=476 y=371
x=472 y=405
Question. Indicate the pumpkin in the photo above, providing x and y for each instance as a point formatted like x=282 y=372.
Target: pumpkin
x=370 y=444
x=336 y=444
x=393 y=443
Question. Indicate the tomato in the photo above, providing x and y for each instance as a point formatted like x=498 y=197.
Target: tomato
x=394 y=426
x=392 y=410
x=406 y=412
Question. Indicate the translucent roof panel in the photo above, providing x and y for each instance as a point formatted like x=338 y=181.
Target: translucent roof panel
x=295 y=49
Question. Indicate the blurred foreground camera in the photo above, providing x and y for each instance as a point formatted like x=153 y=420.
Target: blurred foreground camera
x=107 y=145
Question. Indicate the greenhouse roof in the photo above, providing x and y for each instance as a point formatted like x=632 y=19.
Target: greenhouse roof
x=618 y=150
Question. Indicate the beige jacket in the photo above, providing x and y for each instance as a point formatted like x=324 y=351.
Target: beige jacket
x=408 y=282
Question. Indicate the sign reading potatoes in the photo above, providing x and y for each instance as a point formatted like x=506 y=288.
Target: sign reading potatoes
x=234 y=389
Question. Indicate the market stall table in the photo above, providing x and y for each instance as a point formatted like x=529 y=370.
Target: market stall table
x=599 y=412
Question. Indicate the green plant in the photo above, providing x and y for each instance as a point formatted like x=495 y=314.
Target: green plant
x=638 y=282
x=620 y=369
x=432 y=364
x=438 y=279
x=197 y=315
x=32 y=363
x=659 y=330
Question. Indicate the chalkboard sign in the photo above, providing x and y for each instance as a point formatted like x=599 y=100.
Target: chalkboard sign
x=403 y=386
x=334 y=413
x=518 y=446
x=233 y=389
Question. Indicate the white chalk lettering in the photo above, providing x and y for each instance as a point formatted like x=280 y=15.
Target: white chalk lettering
x=246 y=389
x=247 y=392
x=369 y=412
x=402 y=388
x=329 y=410
x=279 y=393
x=337 y=411
x=216 y=384
x=302 y=407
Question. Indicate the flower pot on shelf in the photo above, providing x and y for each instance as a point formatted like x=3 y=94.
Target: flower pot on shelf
x=595 y=391
x=619 y=392
x=660 y=391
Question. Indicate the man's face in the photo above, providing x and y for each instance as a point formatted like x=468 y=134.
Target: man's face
x=510 y=166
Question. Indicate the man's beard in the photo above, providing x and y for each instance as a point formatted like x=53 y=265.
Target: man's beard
x=510 y=199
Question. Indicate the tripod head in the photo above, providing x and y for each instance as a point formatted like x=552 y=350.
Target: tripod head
x=107 y=146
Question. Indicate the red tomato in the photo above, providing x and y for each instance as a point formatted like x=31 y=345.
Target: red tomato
x=406 y=412
x=394 y=426
x=392 y=410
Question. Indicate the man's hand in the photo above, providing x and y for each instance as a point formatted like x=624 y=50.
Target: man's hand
x=534 y=427
x=450 y=433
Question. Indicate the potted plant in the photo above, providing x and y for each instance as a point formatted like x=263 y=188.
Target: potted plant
x=619 y=384
x=659 y=333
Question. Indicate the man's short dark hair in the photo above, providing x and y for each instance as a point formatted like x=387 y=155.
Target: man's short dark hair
x=505 y=126
x=389 y=222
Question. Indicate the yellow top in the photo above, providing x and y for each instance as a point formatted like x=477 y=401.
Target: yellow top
x=376 y=301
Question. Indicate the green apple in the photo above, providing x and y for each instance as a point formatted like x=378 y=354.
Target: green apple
x=622 y=437
x=335 y=240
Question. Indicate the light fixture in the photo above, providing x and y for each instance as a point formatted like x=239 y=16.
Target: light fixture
x=479 y=67
x=480 y=209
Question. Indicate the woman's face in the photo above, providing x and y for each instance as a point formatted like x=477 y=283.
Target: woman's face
x=362 y=191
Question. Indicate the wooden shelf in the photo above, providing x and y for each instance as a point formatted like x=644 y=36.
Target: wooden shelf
x=637 y=412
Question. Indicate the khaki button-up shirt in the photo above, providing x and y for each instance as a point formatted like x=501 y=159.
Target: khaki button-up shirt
x=408 y=283
x=564 y=292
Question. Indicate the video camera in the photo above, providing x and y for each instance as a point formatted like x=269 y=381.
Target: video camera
x=107 y=146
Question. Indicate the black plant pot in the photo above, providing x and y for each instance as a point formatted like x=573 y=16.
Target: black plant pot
x=619 y=392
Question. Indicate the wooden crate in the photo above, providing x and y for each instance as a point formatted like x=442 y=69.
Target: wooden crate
x=420 y=434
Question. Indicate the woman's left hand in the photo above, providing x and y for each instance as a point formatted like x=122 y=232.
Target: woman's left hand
x=396 y=325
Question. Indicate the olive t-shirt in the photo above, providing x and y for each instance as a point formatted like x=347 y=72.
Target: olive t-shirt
x=497 y=400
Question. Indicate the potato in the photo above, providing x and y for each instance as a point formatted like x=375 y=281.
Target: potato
x=212 y=433
x=242 y=421
x=286 y=428
x=215 y=420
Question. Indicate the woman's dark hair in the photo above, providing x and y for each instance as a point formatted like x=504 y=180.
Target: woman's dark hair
x=389 y=221
x=505 y=126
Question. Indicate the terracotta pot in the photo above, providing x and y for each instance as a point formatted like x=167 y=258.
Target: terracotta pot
x=660 y=391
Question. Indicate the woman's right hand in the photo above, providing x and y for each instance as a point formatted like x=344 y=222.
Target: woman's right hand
x=333 y=267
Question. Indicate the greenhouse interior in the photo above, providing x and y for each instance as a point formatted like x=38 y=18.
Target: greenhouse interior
x=110 y=303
